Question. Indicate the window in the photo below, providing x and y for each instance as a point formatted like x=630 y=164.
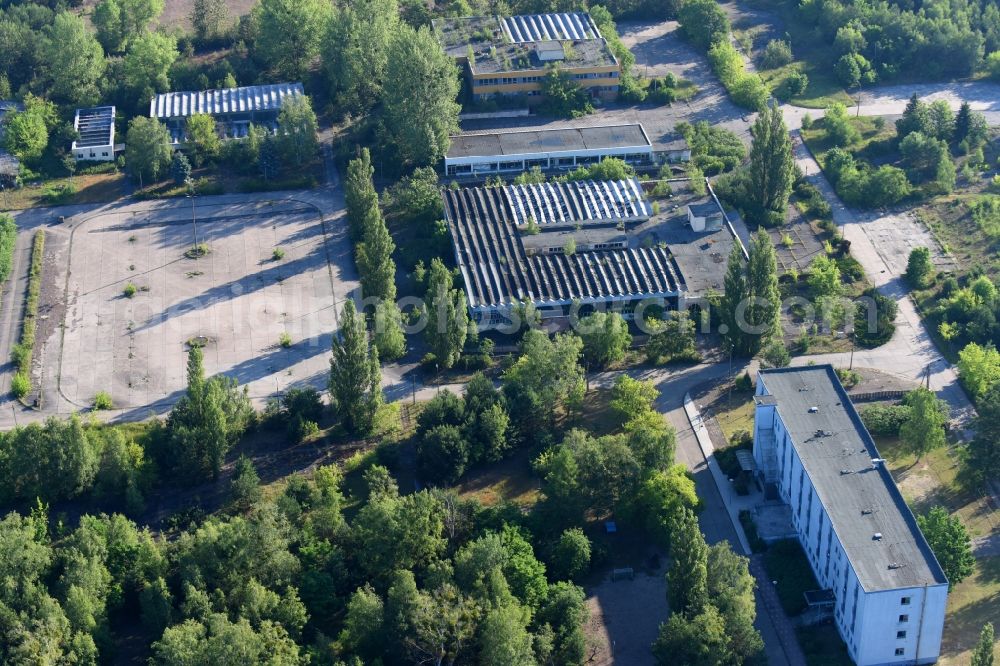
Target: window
x=899 y=652
x=901 y=634
x=905 y=601
x=904 y=618
x=104 y=154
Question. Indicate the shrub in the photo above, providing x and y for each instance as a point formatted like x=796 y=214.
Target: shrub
x=278 y=254
x=285 y=340
x=8 y=238
x=776 y=54
x=102 y=401
x=129 y=290
x=885 y=419
x=20 y=384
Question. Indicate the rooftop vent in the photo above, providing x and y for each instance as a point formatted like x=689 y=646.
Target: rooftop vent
x=845 y=471
x=813 y=409
x=876 y=462
x=877 y=536
x=866 y=512
x=896 y=565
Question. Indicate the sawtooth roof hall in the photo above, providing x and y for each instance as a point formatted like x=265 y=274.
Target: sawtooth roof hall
x=499 y=272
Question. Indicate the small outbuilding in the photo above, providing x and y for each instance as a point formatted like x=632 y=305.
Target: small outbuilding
x=706 y=216
x=95 y=130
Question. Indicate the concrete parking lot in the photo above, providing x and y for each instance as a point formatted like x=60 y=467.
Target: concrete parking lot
x=237 y=300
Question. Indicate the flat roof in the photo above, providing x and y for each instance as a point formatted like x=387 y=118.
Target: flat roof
x=246 y=99
x=565 y=139
x=498 y=271
x=509 y=44
x=860 y=497
x=95 y=126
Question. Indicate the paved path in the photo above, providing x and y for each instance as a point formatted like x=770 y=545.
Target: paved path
x=911 y=353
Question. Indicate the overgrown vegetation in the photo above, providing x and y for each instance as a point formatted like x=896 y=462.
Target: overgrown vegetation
x=24 y=349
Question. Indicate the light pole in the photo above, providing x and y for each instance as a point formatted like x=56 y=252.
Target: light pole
x=194 y=221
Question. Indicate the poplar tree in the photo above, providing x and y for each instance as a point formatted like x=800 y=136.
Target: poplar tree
x=687 y=578
x=771 y=167
x=982 y=654
x=355 y=375
x=448 y=316
x=374 y=256
x=359 y=192
x=762 y=277
x=737 y=291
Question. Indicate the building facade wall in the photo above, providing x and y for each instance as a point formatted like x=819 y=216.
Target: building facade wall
x=897 y=626
x=485 y=164
x=94 y=154
x=601 y=82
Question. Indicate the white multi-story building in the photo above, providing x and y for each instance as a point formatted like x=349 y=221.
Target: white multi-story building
x=95 y=129
x=862 y=541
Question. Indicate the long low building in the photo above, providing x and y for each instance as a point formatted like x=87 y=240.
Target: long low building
x=863 y=544
x=234 y=109
x=562 y=148
x=574 y=252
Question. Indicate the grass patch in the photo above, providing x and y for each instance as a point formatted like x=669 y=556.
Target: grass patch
x=198 y=251
x=974 y=602
x=8 y=239
x=85 y=188
x=786 y=563
x=736 y=415
x=871 y=140
x=510 y=480
x=24 y=349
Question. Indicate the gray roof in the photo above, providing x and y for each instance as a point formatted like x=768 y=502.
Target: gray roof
x=705 y=209
x=497 y=270
x=860 y=497
x=218 y=102
x=566 y=139
x=541 y=27
x=96 y=127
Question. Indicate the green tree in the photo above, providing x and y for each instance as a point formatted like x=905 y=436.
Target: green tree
x=506 y=640
x=950 y=542
x=74 y=61
x=244 y=486
x=210 y=19
x=605 y=338
x=632 y=398
x=824 y=278
x=687 y=578
x=963 y=123
x=290 y=33
x=978 y=368
x=209 y=418
x=448 y=316
x=919 y=268
x=442 y=454
x=355 y=374
x=25 y=136
x=915 y=118
x=398 y=532
x=763 y=313
x=359 y=192
x=698 y=639
x=735 y=301
x=356 y=51
x=853 y=70
x=147 y=64
x=982 y=654
x=546 y=376
x=731 y=589
x=203 y=138
x=374 y=256
x=147 y=149
x=180 y=168
x=221 y=641
x=421 y=85
x=444 y=624
x=703 y=22
x=297 y=130
x=120 y=21
x=673 y=338
x=771 y=168
x=983 y=459
x=389 y=338
x=562 y=95
x=571 y=554
x=923 y=431
x=839 y=129
x=362 y=632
